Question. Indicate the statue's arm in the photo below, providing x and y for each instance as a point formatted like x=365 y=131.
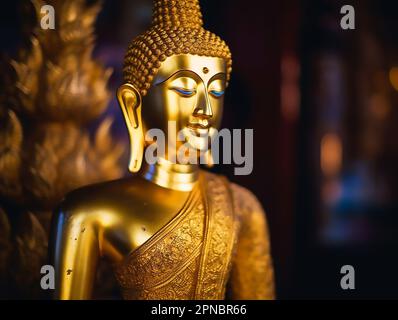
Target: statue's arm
x=74 y=251
x=252 y=274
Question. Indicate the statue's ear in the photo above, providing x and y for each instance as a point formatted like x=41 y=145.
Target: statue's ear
x=130 y=102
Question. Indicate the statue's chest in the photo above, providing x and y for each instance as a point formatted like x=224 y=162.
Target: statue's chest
x=169 y=259
x=188 y=258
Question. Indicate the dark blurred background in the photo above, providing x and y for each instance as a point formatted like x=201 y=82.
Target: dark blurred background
x=323 y=104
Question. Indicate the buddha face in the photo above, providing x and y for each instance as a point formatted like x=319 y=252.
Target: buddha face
x=188 y=90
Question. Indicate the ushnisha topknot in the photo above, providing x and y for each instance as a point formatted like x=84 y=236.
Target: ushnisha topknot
x=177 y=28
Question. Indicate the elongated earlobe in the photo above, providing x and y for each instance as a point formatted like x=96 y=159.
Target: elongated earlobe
x=130 y=102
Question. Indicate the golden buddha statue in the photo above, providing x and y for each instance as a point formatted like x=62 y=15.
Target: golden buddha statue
x=170 y=230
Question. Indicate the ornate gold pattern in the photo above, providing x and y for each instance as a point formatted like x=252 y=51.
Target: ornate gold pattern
x=176 y=29
x=220 y=237
x=164 y=266
x=192 y=256
x=252 y=274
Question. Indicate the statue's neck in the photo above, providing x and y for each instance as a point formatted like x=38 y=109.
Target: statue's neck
x=181 y=177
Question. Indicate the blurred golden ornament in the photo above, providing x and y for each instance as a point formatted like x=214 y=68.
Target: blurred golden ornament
x=5 y=245
x=10 y=161
x=52 y=90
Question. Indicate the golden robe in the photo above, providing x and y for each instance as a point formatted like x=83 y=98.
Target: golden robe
x=216 y=246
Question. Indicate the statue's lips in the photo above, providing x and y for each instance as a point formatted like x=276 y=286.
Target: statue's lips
x=199 y=129
x=198 y=126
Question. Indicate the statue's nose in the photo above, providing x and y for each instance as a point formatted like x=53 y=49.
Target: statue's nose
x=203 y=109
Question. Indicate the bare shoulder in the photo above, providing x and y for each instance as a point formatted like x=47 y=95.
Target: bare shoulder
x=131 y=198
x=88 y=200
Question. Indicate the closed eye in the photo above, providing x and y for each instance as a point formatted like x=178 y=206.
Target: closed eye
x=184 y=92
x=216 y=93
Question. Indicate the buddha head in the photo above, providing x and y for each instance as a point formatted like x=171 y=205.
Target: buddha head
x=175 y=72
